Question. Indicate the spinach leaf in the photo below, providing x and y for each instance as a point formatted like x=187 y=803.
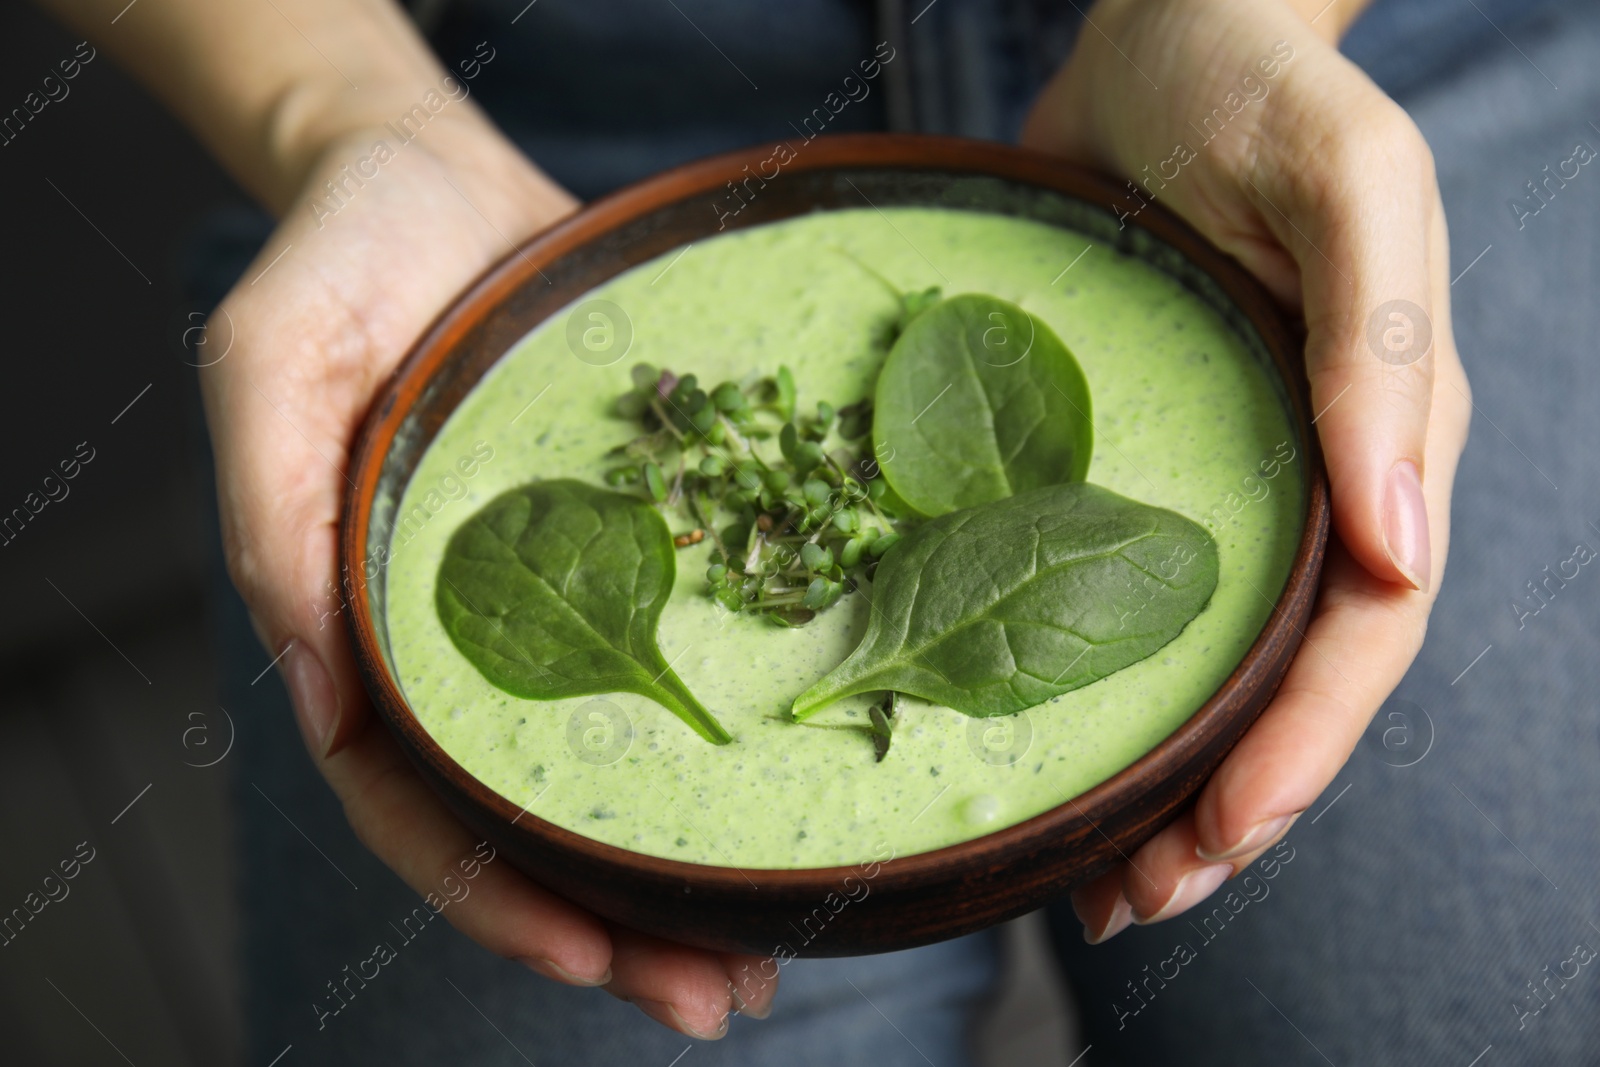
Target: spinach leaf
x=882 y=720
x=554 y=590
x=977 y=401
x=997 y=608
x=914 y=304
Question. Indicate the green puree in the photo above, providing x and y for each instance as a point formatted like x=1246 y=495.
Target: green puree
x=1185 y=418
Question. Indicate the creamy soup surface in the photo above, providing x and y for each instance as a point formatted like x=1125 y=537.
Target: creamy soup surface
x=1185 y=418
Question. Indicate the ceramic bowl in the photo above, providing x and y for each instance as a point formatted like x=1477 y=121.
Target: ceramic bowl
x=913 y=899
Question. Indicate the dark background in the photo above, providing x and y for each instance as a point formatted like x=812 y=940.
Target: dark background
x=104 y=649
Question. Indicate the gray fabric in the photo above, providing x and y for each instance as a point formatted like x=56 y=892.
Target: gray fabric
x=1417 y=909
x=1406 y=44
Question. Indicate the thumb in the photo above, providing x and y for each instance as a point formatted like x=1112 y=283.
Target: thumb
x=318 y=666
x=280 y=455
x=1362 y=218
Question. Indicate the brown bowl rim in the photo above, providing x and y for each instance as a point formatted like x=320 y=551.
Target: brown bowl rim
x=936 y=153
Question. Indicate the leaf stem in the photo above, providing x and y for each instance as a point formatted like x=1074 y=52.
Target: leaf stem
x=669 y=691
x=661 y=413
x=887 y=284
x=778 y=601
x=703 y=519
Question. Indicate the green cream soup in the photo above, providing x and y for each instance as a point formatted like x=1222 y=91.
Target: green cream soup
x=1185 y=418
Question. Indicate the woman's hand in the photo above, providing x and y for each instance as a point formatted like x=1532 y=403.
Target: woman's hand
x=332 y=303
x=1236 y=115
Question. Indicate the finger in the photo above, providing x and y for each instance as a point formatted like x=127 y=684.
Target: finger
x=1294 y=750
x=318 y=333
x=755 y=983
x=1166 y=877
x=1359 y=645
x=1356 y=650
x=400 y=820
x=1102 y=907
x=684 y=989
x=1325 y=702
x=1356 y=203
x=281 y=443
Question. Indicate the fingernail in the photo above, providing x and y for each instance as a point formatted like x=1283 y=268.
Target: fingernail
x=1405 y=525
x=743 y=1007
x=552 y=970
x=1121 y=916
x=316 y=702
x=1192 y=889
x=668 y=1016
x=1258 y=836
x=763 y=993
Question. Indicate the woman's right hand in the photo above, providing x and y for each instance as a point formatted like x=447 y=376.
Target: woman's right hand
x=287 y=95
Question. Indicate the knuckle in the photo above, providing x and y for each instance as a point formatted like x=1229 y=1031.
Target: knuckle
x=370 y=808
x=1456 y=376
x=1390 y=129
x=1368 y=150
